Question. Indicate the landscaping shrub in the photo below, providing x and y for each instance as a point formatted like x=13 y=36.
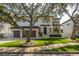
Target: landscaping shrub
x=54 y=35
x=1 y=35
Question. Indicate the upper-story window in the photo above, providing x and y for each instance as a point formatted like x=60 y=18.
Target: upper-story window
x=46 y=19
x=55 y=20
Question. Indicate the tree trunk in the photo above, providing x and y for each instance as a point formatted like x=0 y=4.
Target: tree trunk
x=73 y=32
x=29 y=34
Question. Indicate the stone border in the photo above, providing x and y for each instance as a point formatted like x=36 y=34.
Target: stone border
x=40 y=52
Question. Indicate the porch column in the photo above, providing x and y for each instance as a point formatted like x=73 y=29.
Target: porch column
x=37 y=33
x=20 y=33
x=12 y=33
x=48 y=31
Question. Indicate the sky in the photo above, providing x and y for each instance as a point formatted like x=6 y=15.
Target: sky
x=64 y=18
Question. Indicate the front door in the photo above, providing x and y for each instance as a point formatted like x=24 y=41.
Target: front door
x=45 y=30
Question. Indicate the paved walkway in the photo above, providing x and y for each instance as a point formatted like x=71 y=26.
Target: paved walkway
x=37 y=49
x=59 y=45
x=34 y=49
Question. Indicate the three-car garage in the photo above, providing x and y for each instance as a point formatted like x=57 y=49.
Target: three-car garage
x=24 y=32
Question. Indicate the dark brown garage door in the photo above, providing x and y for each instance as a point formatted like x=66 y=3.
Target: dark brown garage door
x=16 y=33
x=25 y=33
x=33 y=34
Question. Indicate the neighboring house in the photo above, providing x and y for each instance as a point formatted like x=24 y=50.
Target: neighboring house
x=42 y=28
x=5 y=30
x=67 y=28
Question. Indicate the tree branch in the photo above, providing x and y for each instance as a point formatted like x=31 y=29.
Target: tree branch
x=72 y=18
x=37 y=17
x=25 y=8
x=35 y=8
x=75 y=9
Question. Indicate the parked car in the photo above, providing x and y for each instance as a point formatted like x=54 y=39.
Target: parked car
x=77 y=35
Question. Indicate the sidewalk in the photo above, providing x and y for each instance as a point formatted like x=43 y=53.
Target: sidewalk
x=34 y=49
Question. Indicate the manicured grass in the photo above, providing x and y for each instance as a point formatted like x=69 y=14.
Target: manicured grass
x=16 y=43
x=48 y=41
x=71 y=48
x=40 y=42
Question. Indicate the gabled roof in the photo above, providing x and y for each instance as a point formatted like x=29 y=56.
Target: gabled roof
x=65 y=22
x=56 y=25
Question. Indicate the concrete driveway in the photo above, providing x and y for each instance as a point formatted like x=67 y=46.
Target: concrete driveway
x=6 y=40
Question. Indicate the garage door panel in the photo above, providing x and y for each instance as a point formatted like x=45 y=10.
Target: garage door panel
x=33 y=34
x=16 y=33
x=25 y=33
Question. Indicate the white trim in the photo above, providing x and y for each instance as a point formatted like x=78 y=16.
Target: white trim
x=32 y=29
x=21 y=33
x=37 y=30
x=16 y=29
x=37 y=33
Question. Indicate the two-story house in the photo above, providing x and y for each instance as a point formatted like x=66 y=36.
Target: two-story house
x=45 y=26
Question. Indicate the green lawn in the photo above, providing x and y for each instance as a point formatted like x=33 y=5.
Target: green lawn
x=40 y=42
x=48 y=41
x=66 y=48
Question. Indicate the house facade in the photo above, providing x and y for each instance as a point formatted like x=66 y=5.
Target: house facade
x=67 y=28
x=44 y=27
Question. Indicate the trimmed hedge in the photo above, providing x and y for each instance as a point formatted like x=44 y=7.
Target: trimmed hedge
x=1 y=35
x=54 y=35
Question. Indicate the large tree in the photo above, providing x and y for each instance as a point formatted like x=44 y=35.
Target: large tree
x=39 y=10
x=13 y=13
x=72 y=11
x=34 y=10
